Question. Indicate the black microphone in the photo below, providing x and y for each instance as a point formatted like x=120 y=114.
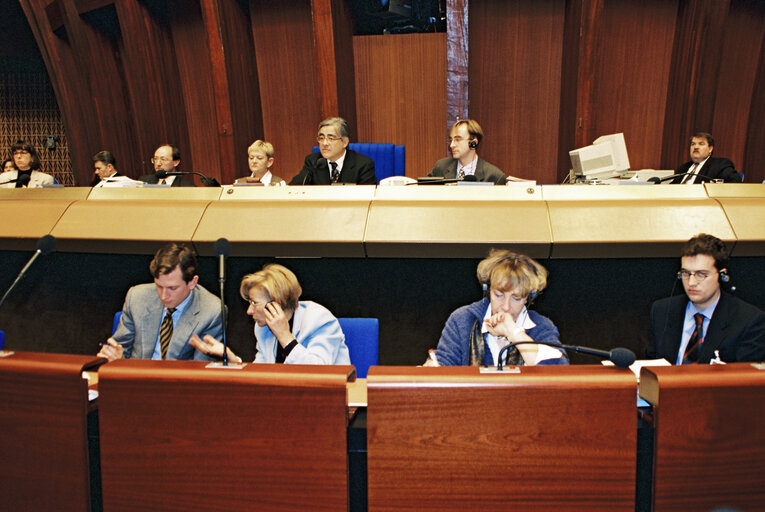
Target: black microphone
x=656 y=180
x=207 y=182
x=45 y=246
x=621 y=357
x=470 y=177
x=222 y=248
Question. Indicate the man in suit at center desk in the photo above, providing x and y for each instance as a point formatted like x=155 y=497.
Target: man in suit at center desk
x=158 y=319
x=335 y=163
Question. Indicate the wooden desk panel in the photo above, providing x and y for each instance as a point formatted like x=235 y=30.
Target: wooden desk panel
x=747 y=218
x=709 y=422
x=561 y=438
x=178 y=436
x=456 y=222
x=44 y=463
x=24 y=222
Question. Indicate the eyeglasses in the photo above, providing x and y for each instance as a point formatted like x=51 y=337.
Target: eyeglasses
x=20 y=152
x=700 y=275
x=329 y=138
x=160 y=160
x=257 y=304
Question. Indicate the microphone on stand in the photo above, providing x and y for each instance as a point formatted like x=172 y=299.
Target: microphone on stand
x=621 y=357
x=45 y=246
x=222 y=249
x=656 y=180
x=23 y=179
x=207 y=182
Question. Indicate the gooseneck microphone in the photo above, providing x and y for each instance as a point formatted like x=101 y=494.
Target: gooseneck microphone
x=45 y=246
x=207 y=182
x=656 y=180
x=222 y=249
x=621 y=357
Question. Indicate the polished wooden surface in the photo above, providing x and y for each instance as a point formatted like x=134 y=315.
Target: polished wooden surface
x=542 y=439
x=179 y=436
x=44 y=463
x=709 y=422
x=400 y=95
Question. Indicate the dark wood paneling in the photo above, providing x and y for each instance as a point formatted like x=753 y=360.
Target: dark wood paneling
x=515 y=77
x=400 y=96
x=694 y=68
x=754 y=157
x=631 y=73
x=243 y=88
x=282 y=34
x=151 y=76
x=742 y=39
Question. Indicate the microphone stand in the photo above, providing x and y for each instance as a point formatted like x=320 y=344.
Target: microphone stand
x=621 y=357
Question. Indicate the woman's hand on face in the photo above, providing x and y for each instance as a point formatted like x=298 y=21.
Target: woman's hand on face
x=502 y=324
x=278 y=322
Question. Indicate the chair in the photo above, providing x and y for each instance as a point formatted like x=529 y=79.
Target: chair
x=390 y=160
x=116 y=322
x=2 y=339
x=362 y=335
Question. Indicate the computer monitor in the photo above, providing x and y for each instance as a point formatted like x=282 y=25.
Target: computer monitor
x=605 y=158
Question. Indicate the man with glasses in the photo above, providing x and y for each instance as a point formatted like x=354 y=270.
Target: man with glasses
x=464 y=138
x=707 y=322
x=335 y=163
x=167 y=158
x=158 y=319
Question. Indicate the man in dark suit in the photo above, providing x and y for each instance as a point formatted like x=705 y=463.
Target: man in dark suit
x=706 y=322
x=464 y=138
x=167 y=158
x=159 y=319
x=335 y=163
x=704 y=167
x=103 y=167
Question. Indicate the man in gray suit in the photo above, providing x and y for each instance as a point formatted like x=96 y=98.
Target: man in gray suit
x=158 y=320
x=464 y=138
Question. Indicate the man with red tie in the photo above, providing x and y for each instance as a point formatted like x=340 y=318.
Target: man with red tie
x=707 y=322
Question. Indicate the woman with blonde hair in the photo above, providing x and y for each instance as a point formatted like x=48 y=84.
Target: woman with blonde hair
x=286 y=330
x=475 y=334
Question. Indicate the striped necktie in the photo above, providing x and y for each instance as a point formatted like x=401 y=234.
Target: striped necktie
x=697 y=338
x=334 y=175
x=166 y=332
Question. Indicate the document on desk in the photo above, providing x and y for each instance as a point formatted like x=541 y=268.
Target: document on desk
x=635 y=367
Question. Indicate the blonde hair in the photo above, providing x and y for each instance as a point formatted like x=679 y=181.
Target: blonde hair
x=260 y=145
x=506 y=271
x=278 y=282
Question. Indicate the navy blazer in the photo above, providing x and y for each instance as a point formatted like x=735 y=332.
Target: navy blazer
x=357 y=168
x=714 y=169
x=736 y=330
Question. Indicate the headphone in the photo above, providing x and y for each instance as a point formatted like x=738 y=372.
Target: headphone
x=516 y=258
x=473 y=144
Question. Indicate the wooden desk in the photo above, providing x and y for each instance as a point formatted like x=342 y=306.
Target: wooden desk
x=44 y=463
x=709 y=423
x=443 y=439
x=178 y=436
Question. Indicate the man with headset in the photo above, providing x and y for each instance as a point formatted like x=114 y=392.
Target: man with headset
x=706 y=323
x=464 y=138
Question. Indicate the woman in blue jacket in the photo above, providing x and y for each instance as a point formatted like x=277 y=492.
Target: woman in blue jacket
x=286 y=330
x=474 y=334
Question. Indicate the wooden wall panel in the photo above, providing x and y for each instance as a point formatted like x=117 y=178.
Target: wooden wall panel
x=632 y=74
x=151 y=74
x=743 y=37
x=754 y=156
x=243 y=89
x=282 y=34
x=401 y=96
x=515 y=77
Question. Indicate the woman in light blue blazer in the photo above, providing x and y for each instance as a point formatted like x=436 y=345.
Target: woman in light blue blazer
x=286 y=330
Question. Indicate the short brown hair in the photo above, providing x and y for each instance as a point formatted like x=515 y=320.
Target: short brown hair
x=172 y=255
x=277 y=281
x=709 y=245
x=507 y=271
x=473 y=128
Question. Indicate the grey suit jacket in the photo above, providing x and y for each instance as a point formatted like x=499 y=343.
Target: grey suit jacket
x=484 y=171
x=141 y=317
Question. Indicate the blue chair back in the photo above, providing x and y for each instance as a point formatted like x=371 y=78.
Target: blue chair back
x=390 y=160
x=2 y=339
x=362 y=335
x=116 y=322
